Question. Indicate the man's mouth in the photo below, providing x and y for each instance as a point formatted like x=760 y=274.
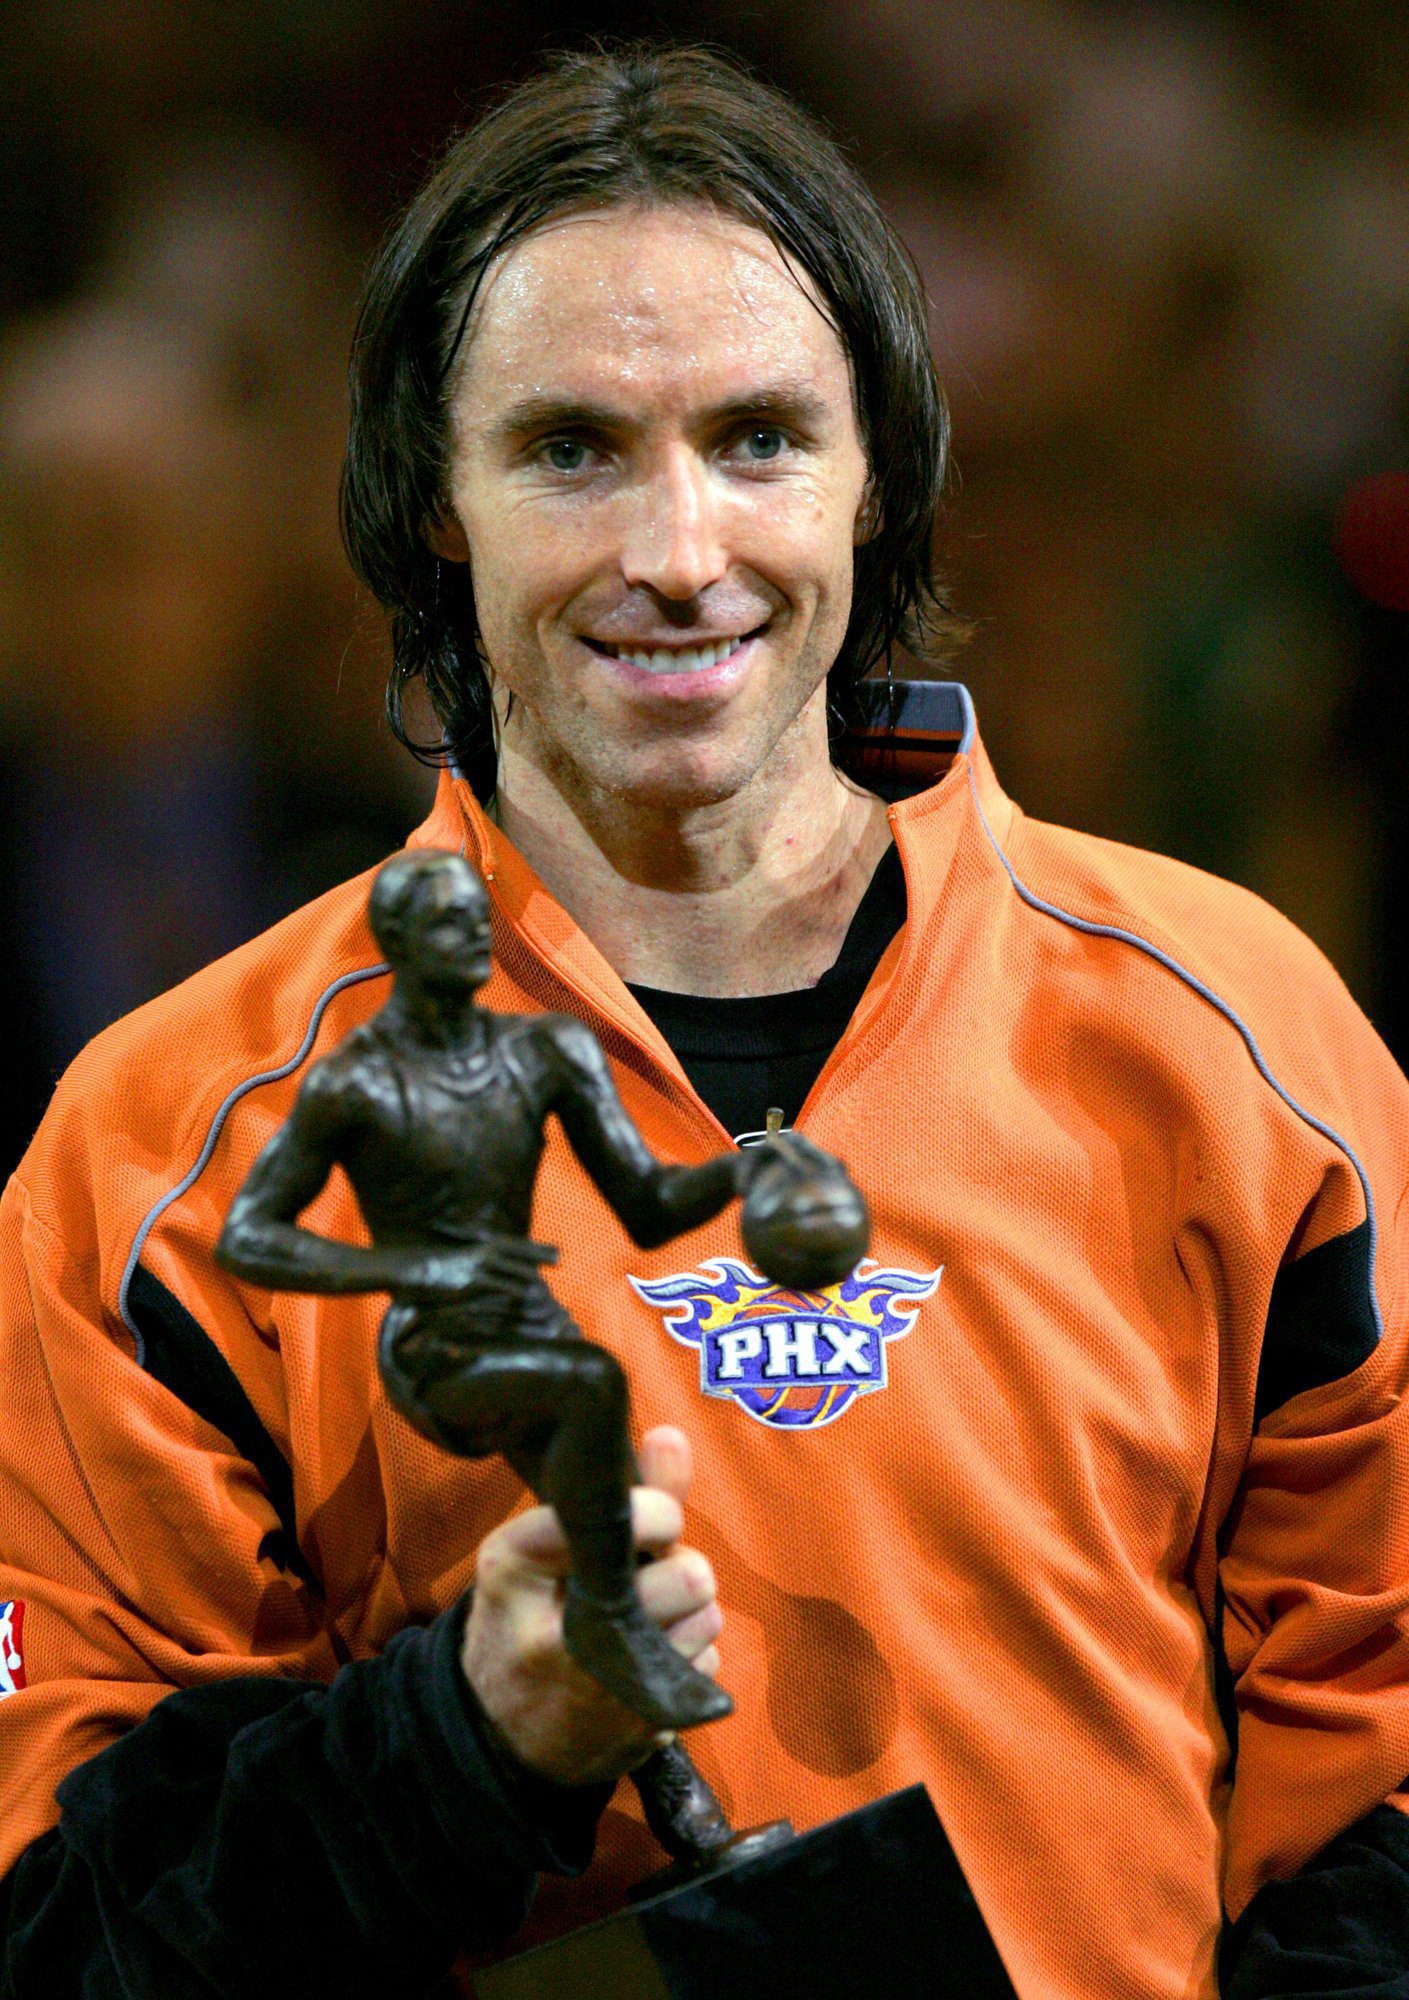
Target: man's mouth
x=675 y=659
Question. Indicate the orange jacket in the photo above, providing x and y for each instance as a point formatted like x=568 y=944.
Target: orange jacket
x=1130 y=1151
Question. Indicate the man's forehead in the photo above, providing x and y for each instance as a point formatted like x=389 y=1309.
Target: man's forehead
x=630 y=300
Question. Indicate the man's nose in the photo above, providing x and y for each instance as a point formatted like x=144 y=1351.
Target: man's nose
x=673 y=543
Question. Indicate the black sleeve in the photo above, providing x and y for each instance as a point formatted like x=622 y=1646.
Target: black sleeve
x=1338 y=1930
x=273 y=1837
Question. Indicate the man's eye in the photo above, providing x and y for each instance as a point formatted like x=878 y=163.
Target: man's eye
x=763 y=443
x=565 y=454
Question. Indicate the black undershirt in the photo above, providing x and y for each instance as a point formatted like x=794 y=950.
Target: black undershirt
x=743 y=1055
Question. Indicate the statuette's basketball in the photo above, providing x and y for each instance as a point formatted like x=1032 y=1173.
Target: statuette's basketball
x=804 y=1221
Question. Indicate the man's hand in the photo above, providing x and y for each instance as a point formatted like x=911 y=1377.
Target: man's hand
x=554 y=1717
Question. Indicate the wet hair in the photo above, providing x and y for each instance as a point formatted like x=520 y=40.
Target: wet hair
x=659 y=125
x=399 y=888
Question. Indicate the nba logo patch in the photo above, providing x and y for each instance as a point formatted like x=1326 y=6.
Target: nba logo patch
x=11 y=1657
x=793 y=1360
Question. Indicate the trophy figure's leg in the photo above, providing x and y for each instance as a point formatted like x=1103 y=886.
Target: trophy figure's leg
x=624 y=1649
x=556 y=1406
x=687 y=1819
x=680 y=1807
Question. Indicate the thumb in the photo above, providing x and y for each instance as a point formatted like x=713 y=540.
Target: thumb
x=666 y=1461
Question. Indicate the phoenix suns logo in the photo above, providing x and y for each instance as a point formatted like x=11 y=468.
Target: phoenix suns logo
x=792 y=1359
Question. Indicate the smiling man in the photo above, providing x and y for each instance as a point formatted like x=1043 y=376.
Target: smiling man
x=658 y=479
x=1083 y=1501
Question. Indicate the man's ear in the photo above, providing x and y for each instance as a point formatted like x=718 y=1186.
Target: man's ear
x=446 y=538
x=868 y=514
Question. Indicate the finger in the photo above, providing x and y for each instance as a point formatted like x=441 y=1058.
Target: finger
x=667 y=1461
x=508 y=1264
x=803 y=1148
x=801 y=1156
x=690 y=1636
x=527 y=1257
x=676 y=1587
x=515 y=1278
x=656 y=1519
x=536 y=1538
x=523 y=1250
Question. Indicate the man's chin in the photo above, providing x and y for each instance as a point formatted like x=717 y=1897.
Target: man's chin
x=660 y=773
x=673 y=791
x=688 y=773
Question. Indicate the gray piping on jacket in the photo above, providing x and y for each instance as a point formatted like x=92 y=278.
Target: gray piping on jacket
x=1090 y=929
x=189 y=1179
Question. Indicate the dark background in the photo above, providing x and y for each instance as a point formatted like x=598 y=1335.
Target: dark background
x=1168 y=254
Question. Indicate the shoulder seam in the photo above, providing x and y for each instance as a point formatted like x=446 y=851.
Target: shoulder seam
x=25 y=1194
x=226 y=1106
x=1091 y=928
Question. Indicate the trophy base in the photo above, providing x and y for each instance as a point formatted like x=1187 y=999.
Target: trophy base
x=745 y=1846
x=874 y=1902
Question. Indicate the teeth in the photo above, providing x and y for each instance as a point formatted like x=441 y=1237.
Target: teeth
x=679 y=660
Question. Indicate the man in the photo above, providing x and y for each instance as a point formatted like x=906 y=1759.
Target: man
x=1096 y=1474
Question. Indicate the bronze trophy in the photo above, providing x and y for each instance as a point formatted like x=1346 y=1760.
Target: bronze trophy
x=435 y=1109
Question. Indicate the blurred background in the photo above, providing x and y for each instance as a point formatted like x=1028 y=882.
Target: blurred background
x=1167 y=248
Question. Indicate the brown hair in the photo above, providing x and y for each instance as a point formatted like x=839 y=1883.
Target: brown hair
x=642 y=123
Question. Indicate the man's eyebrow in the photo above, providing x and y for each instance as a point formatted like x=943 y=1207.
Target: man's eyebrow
x=781 y=402
x=533 y=416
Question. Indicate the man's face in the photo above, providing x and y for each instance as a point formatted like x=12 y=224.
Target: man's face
x=659 y=477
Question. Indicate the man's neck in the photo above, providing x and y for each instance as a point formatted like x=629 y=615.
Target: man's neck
x=751 y=894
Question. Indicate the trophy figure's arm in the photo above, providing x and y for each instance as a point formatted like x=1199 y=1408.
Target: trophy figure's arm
x=262 y=1243
x=654 y=1202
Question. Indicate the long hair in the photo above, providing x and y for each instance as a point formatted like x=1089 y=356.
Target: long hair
x=645 y=123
